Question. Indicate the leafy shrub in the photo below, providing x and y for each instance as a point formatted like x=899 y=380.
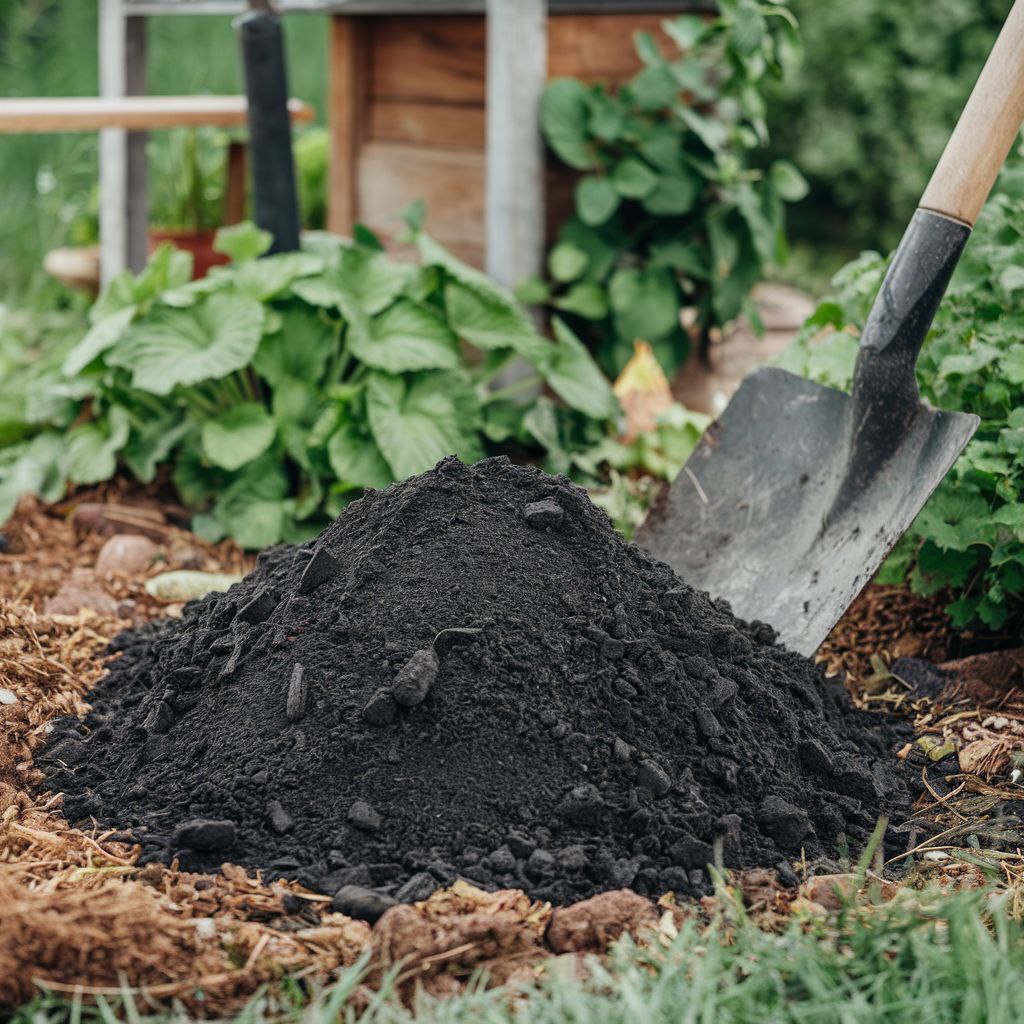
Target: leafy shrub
x=669 y=213
x=278 y=388
x=868 y=111
x=970 y=536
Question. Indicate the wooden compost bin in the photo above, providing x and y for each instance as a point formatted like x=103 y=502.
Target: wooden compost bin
x=408 y=112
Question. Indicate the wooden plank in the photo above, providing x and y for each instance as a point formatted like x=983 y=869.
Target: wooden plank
x=440 y=125
x=451 y=182
x=236 y=182
x=516 y=73
x=599 y=47
x=425 y=59
x=135 y=113
x=412 y=7
x=346 y=89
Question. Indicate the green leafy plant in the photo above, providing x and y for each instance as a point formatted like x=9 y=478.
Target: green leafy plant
x=669 y=213
x=188 y=179
x=277 y=388
x=969 y=538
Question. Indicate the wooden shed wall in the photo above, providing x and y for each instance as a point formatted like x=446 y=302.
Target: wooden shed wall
x=411 y=91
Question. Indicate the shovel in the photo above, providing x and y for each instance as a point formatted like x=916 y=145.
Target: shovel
x=798 y=492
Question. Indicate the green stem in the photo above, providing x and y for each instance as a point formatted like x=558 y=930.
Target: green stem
x=512 y=390
x=340 y=359
x=194 y=398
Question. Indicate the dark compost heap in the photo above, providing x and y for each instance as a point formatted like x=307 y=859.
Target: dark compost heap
x=471 y=674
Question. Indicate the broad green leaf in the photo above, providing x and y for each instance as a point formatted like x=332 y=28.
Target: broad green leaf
x=37 y=467
x=269 y=277
x=300 y=348
x=490 y=322
x=567 y=262
x=596 y=200
x=573 y=375
x=585 y=299
x=363 y=280
x=253 y=508
x=645 y=303
x=686 y=257
x=712 y=132
x=356 y=459
x=654 y=88
x=633 y=179
x=748 y=27
x=685 y=30
x=418 y=420
x=100 y=337
x=673 y=194
x=532 y=291
x=405 y=337
x=93 y=447
x=563 y=120
x=154 y=442
x=184 y=346
x=242 y=241
x=790 y=184
x=238 y=436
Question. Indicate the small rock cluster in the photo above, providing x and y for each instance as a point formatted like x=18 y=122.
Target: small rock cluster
x=470 y=674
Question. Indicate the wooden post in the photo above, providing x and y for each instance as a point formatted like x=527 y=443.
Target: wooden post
x=345 y=92
x=136 y=196
x=234 y=187
x=517 y=55
x=113 y=142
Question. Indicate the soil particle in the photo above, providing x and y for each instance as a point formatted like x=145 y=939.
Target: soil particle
x=362 y=816
x=565 y=739
x=361 y=903
x=203 y=834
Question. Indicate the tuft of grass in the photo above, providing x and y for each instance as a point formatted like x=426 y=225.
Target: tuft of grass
x=924 y=956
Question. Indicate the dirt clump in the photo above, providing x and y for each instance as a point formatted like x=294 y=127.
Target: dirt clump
x=471 y=675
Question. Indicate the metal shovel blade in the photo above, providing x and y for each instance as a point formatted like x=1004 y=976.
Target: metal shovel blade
x=753 y=516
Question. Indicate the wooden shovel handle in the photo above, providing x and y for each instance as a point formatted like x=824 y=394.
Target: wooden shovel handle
x=985 y=132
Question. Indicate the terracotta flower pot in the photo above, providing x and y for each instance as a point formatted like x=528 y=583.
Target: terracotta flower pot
x=199 y=243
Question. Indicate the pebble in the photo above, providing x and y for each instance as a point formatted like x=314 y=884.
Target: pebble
x=653 y=778
x=320 y=568
x=420 y=886
x=582 y=805
x=259 y=609
x=540 y=864
x=381 y=708
x=362 y=816
x=783 y=821
x=707 y=724
x=521 y=845
x=280 y=820
x=7 y=696
x=361 y=903
x=204 y=834
x=502 y=860
x=621 y=750
x=125 y=552
x=543 y=515
x=415 y=678
x=298 y=695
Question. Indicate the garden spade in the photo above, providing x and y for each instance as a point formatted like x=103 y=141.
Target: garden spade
x=798 y=492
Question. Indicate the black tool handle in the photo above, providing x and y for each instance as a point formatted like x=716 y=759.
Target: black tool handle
x=275 y=202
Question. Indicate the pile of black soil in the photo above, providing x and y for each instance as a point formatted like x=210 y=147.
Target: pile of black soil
x=471 y=674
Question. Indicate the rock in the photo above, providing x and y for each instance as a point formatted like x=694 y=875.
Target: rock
x=543 y=515
x=829 y=891
x=591 y=926
x=162 y=717
x=573 y=858
x=362 y=816
x=128 y=553
x=419 y=887
x=785 y=823
x=381 y=708
x=7 y=696
x=298 y=695
x=361 y=903
x=187 y=585
x=691 y=852
x=621 y=750
x=259 y=609
x=582 y=805
x=280 y=820
x=653 y=778
x=109 y=519
x=521 y=845
x=415 y=678
x=204 y=834
x=319 y=569
x=709 y=726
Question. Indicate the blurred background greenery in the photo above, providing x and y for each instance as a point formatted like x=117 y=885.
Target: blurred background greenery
x=864 y=118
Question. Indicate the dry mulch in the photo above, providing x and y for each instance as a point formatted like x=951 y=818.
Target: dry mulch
x=80 y=916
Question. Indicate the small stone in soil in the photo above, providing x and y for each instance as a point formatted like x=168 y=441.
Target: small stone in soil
x=319 y=569
x=420 y=886
x=259 y=609
x=361 y=903
x=381 y=708
x=7 y=696
x=653 y=778
x=362 y=816
x=298 y=694
x=784 y=822
x=280 y=820
x=204 y=834
x=542 y=515
x=417 y=675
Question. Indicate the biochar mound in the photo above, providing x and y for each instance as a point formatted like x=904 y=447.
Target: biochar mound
x=471 y=674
